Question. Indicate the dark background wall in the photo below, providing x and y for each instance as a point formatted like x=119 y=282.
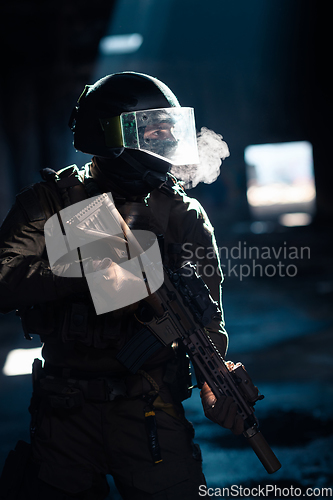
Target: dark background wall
x=255 y=72
x=48 y=49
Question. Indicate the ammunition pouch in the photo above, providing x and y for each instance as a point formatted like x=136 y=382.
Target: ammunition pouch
x=71 y=321
x=79 y=323
x=66 y=389
x=75 y=325
x=69 y=394
x=38 y=320
x=61 y=395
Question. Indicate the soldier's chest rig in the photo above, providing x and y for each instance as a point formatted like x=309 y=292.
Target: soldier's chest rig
x=74 y=187
x=76 y=321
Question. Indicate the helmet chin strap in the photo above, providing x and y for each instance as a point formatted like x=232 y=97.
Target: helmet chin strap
x=153 y=178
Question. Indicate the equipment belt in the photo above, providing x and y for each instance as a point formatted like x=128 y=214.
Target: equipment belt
x=73 y=373
x=96 y=387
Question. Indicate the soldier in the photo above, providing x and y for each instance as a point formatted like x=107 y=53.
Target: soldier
x=89 y=415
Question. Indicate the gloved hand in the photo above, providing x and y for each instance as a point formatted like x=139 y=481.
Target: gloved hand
x=114 y=287
x=92 y=266
x=222 y=411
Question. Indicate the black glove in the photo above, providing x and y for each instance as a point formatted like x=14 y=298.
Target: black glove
x=222 y=411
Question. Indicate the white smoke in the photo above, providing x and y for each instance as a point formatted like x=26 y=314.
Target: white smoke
x=212 y=150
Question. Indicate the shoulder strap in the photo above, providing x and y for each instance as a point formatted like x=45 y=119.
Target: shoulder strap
x=47 y=174
x=68 y=177
x=172 y=186
x=65 y=180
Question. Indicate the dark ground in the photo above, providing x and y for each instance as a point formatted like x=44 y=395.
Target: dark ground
x=281 y=328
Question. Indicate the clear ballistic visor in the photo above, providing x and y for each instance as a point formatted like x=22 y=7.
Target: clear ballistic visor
x=167 y=133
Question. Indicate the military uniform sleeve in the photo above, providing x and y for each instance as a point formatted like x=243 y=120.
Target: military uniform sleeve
x=199 y=246
x=25 y=275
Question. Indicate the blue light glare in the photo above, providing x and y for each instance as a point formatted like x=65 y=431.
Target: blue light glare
x=120 y=44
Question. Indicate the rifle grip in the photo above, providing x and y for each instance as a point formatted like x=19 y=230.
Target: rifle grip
x=264 y=452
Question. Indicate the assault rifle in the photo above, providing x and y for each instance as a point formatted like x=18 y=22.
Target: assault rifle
x=181 y=310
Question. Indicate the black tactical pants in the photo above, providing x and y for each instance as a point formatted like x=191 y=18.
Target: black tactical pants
x=77 y=447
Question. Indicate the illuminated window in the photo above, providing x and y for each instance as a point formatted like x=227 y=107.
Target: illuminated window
x=280 y=182
x=19 y=361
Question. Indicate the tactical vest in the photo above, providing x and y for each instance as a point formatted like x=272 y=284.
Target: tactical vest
x=74 y=321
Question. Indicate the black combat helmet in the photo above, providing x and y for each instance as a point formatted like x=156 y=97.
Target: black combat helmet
x=133 y=112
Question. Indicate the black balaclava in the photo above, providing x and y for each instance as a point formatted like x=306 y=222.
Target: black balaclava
x=119 y=175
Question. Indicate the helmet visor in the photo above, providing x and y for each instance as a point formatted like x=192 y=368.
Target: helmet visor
x=167 y=133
